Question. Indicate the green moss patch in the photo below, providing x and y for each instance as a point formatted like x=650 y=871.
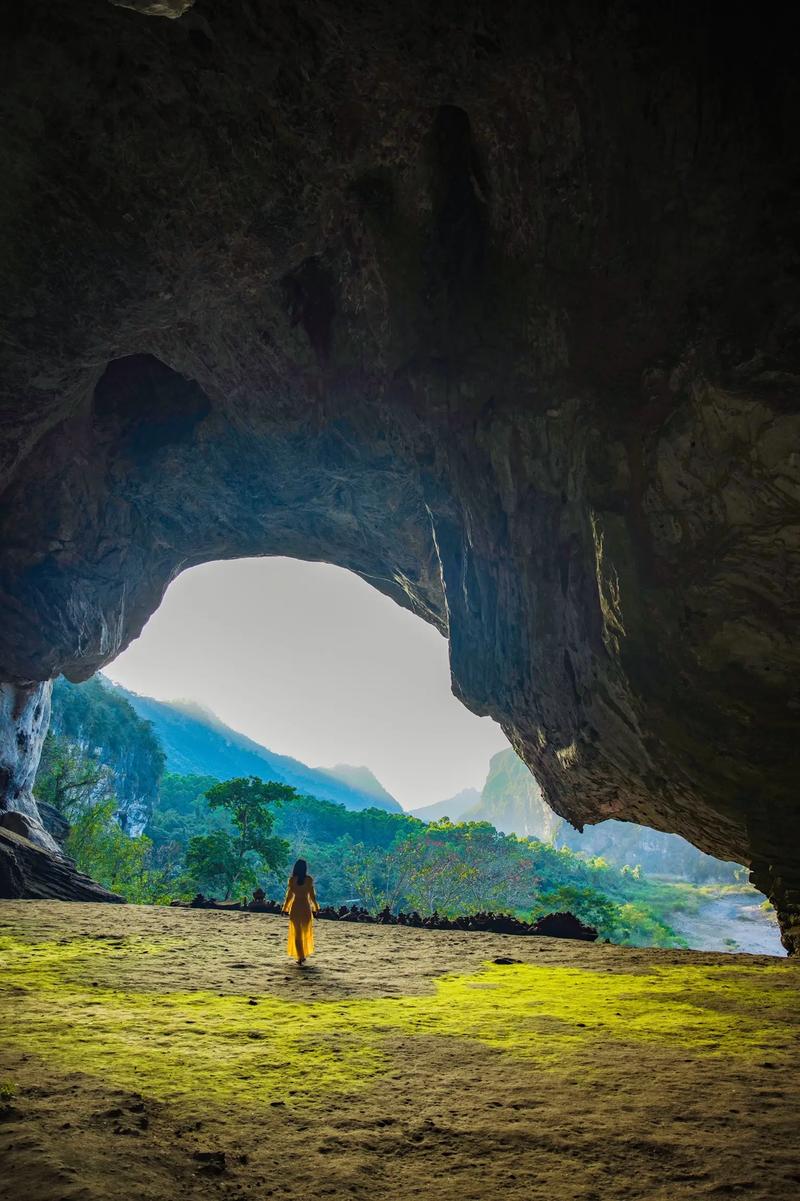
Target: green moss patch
x=258 y=1049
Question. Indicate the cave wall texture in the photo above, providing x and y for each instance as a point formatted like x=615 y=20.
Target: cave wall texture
x=495 y=305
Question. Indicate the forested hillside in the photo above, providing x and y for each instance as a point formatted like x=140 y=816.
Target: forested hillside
x=385 y=859
x=454 y=807
x=362 y=781
x=95 y=724
x=196 y=742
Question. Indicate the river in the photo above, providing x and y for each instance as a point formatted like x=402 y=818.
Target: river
x=730 y=922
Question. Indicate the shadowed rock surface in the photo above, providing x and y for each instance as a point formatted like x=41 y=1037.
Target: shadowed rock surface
x=53 y=821
x=31 y=871
x=497 y=309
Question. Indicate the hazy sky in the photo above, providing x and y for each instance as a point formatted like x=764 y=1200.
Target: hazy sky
x=312 y=662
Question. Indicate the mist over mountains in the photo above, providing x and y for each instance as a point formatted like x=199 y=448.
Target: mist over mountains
x=196 y=742
x=454 y=807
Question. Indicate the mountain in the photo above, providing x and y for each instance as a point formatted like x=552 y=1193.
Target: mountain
x=197 y=743
x=512 y=801
x=361 y=779
x=454 y=807
x=621 y=843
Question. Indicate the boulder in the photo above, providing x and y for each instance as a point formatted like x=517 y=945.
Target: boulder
x=30 y=872
x=564 y=925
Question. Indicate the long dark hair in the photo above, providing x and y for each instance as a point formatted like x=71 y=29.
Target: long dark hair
x=300 y=871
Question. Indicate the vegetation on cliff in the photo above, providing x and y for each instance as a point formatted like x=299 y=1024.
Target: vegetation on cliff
x=95 y=732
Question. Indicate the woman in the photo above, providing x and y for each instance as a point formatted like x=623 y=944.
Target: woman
x=300 y=902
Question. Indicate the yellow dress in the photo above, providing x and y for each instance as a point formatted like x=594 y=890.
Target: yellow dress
x=300 y=902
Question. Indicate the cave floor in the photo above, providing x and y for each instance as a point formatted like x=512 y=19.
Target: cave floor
x=163 y=1053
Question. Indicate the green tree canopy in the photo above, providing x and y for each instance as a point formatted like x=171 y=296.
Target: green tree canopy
x=233 y=862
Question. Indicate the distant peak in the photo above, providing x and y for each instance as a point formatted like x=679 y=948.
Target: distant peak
x=358 y=769
x=182 y=704
x=454 y=807
x=360 y=777
x=194 y=709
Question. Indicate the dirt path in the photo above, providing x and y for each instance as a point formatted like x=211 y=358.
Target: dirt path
x=730 y=916
x=158 y=1054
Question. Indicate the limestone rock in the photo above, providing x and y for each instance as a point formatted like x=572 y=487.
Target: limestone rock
x=24 y=717
x=512 y=801
x=53 y=821
x=31 y=872
x=156 y=8
x=101 y=728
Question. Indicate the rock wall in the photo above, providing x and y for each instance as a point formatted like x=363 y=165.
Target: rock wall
x=24 y=718
x=496 y=306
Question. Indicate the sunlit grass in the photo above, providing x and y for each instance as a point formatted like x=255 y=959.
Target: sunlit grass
x=256 y=1048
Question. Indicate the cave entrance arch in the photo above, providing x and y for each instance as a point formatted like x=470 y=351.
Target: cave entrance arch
x=500 y=314
x=152 y=474
x=312 y=663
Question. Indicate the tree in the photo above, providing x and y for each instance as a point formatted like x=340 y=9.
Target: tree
x=123 y=864
x=184 y=795
x=458 y=867
x=439 y=872
x=228 y=862
x=378 y=876
x=587 y=904
x=68 y=779
x=81 y=788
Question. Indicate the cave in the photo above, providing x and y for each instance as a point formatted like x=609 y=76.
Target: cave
x=495 y=307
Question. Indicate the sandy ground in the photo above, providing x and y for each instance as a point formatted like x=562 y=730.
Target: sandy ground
x=157 y=1054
